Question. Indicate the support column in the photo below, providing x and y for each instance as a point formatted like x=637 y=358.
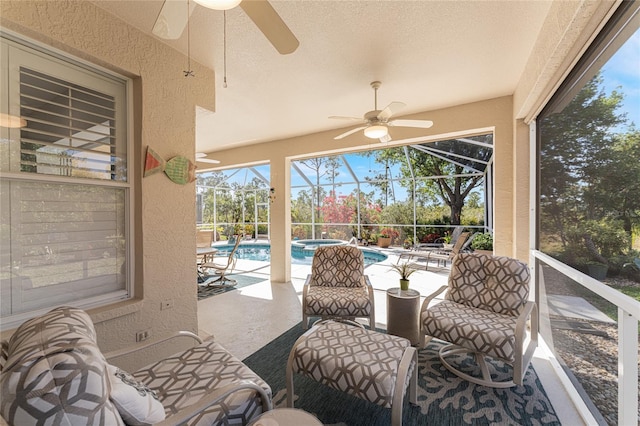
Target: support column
x=521 y=191
x=280 y=220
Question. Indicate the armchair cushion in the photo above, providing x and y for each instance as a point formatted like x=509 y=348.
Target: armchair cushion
x=337 y=266
x=484 y=331
x=55 y=370
x=184 y=378
x=338 y=301
x=137 y=404
x=494 y=283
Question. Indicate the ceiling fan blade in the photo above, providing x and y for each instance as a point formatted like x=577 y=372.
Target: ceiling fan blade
x=172 y=19
x=392 y=108
x=350 y=132
x=200 y=158
x=340 y=117
x=271 y=24
x=423 y=124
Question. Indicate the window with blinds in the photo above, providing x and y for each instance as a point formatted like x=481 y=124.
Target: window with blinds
x=71 y=129
x=64 y=188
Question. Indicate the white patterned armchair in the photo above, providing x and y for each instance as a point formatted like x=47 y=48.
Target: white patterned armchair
x=485 y=312
x=337 y=286
x=53 y=372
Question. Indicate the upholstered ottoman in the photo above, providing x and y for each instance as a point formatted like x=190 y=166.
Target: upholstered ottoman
x=372 y=366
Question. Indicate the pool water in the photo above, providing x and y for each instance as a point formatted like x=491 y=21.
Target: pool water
x=301 y=251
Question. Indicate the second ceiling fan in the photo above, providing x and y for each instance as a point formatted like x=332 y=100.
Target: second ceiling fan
x=377 y=121
x=174 y=15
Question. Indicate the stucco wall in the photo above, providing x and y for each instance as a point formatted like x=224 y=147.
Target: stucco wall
x=164 y=118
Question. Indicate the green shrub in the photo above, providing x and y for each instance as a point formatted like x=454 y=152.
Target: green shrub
x=483 y=241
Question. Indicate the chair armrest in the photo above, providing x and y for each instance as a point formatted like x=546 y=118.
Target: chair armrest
x=305 y=290
x=367 y=281
x=215 y=397
x=372 y=298
x=307 y=282
x=522 y=361
x=521 y=324
x=127 y=351
x=432 y=296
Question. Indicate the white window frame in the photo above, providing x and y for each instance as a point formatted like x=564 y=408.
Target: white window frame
x=6 y=134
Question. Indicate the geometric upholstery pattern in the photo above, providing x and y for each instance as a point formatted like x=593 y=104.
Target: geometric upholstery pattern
x=486 y=312
x=493 y=283
x=55 y=373
x=373 y=366
x=338 y=301
x=337 y=266
x=484 y=331
x=337 y=286
x=182 y=379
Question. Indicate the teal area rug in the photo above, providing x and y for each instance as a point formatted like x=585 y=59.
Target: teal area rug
x=243 y=280
x=443 y=398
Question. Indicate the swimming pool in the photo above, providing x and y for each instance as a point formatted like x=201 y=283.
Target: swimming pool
x=301 y=251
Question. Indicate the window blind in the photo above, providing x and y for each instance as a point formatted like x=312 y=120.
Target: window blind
x=71 y=129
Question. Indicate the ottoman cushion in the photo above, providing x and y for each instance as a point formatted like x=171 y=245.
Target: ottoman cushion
x=351 y=359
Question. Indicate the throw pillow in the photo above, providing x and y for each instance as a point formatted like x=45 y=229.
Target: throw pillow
x=137 y=404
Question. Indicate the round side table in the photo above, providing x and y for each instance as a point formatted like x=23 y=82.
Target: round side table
x=403 y=314
x=285 y=417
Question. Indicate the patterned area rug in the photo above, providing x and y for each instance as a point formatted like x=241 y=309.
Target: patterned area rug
x=205 y=291
x=443 y=398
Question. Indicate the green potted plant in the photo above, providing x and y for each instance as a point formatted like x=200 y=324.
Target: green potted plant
x=446 y=242
x=405 y=271
x=483 y=243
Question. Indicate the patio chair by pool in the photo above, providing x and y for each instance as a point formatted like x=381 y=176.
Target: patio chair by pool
x=224 y=268
x=440 y=255
x=337 y=286
x=204 y=238
x=457 y=231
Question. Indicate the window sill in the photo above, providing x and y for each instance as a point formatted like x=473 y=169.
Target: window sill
x=115 y=310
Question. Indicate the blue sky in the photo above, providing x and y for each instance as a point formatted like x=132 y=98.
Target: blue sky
x=622 y=73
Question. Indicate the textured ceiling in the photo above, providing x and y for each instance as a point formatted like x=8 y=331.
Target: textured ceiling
x=428 y=54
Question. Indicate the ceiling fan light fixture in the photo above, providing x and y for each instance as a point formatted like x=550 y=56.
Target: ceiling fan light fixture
x=376 y=131
x=219 y=4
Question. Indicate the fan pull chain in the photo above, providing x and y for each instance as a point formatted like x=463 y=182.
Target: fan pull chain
x=188 y=72
x=224 y=48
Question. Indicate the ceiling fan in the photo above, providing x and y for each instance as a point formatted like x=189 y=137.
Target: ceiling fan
x=201 y=158
x=174 y=15
x=378 y=121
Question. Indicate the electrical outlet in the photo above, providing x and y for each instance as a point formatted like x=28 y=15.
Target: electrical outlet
x=141 y=336
x=166 y=304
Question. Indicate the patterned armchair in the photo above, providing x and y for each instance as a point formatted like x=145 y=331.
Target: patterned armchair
x=52 y=372
x=337 y=286
x=485 y=312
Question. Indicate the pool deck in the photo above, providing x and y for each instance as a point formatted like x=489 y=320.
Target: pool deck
x=241 y=306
